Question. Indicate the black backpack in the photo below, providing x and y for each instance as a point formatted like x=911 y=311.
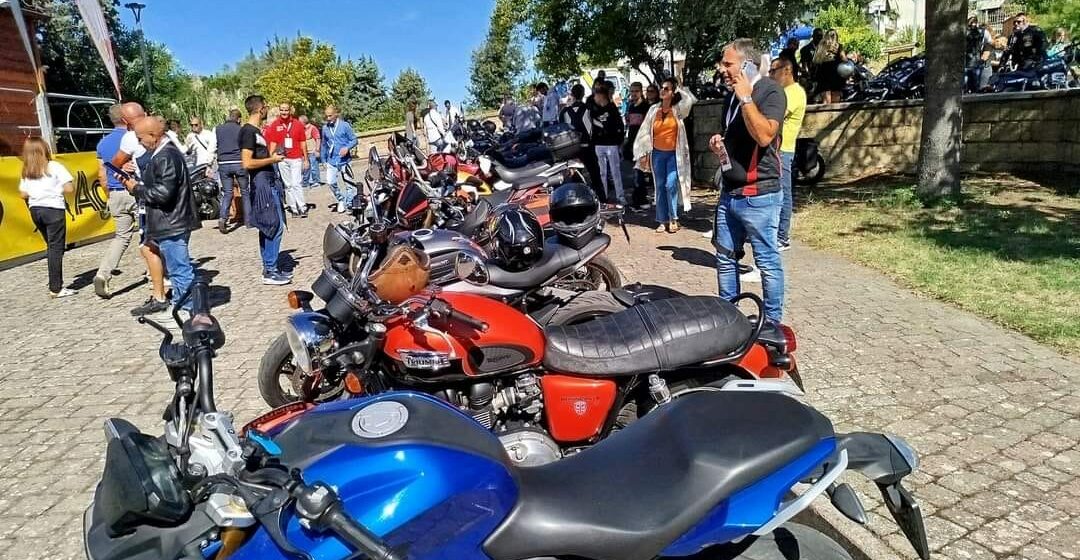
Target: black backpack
x=577 y=119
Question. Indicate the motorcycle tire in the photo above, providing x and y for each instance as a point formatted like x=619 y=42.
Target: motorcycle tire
x=585 y=307
x=817 y=172
x=790 y=541
x=209 y=209
x=276 y=363
x=606 y=270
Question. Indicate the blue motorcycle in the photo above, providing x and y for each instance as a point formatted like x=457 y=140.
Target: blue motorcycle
x=405 y=476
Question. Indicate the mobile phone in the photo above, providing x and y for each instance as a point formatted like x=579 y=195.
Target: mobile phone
x=750 y=69
x=124 y=175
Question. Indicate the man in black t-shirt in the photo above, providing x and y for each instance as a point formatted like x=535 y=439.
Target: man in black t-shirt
x=267 y=215
x=806 y=57
x=749 y=178
x=635 y=116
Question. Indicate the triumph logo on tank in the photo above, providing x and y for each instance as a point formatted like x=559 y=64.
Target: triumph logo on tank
x=581 y=407
x=425 y=360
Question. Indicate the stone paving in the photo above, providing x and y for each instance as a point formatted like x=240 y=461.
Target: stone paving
x=994 y=415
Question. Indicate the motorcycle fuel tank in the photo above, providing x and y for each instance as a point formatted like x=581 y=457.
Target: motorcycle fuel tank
x=511 y=341
x=442 y=247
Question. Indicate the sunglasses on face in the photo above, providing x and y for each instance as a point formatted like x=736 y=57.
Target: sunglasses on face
x=667 y=88
x=194 y=124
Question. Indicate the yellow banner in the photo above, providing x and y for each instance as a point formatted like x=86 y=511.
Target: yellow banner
x=87 y=207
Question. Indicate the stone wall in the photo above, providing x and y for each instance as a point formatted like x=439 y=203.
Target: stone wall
x=1013 y=132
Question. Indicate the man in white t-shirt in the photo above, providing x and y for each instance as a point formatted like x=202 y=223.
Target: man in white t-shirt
x=435 y=126
x=131 y=157
x=201 y=142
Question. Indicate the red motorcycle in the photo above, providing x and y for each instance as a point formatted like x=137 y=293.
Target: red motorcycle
x=545 y=391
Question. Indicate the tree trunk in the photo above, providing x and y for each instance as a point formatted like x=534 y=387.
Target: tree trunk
x=939 y=152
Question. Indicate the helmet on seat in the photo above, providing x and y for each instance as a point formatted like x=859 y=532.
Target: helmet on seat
x=403 y=273
x=575 y=214
x=514 y=238
x=489 y=127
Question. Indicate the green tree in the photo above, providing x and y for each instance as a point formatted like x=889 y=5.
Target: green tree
x=852 y=24
x=364 y=101
x=409 y=85
x=642 y=33
x=310 y=77
x=499 y=61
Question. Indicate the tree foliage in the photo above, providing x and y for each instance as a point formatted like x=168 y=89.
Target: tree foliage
x=409 y=86
x=309 y=77
x=1050 y=14
x=498 y=62
x=852 y=24
x=573 y=33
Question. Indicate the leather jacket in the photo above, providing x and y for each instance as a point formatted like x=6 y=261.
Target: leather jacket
x=166 y=192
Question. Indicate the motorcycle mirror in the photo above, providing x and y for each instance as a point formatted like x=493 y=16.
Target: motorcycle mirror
x=373 y=156
x=471 y=269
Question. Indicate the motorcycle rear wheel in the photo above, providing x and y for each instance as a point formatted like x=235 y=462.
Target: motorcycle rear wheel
x=585 y=307
x=791 y=541
x=815 y=175
x=280 y=380
x=209 y=209
x=598 y=274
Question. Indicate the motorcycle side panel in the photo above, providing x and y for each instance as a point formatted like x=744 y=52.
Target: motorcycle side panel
x=576 y=406
x=512 y=341
x=756 y=363
x=436 y=489
x=750 y=508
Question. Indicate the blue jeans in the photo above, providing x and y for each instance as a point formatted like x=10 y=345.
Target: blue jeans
x=227 y=172
x=666 y=182
x=269 y=247
x=784 y=235
x=312 y=179
x=174 y=251
x=342 y=190
x=755 y=219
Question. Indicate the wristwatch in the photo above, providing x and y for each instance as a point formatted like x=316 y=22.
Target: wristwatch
x=746 y=100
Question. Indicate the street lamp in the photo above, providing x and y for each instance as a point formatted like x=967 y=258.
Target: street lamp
x=136 y=9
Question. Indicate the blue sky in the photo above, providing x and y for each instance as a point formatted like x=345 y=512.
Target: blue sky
x=436 y=37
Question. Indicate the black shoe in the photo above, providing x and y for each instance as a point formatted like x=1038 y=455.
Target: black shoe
x=223 y=227
x=150 y=307
x=311 y=206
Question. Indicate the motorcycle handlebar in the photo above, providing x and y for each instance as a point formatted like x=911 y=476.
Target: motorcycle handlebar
x=200 y=298
x=444 y=309
x=338 y=521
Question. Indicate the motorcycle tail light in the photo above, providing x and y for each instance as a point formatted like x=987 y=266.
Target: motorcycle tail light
x=277 y=417
x=294 y=300
x=789 y=338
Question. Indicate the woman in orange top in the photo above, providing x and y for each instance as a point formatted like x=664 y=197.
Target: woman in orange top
x=661 y=146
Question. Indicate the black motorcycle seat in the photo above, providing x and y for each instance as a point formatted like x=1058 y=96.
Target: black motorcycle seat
x=517 y=174
x=633 y=494
x=557 y=257
x=654 y=336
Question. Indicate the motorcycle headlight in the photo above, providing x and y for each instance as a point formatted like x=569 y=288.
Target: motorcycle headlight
x=208 y=188
x=310 y=338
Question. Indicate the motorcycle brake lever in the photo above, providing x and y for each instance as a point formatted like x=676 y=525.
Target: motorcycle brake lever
x=270 y=511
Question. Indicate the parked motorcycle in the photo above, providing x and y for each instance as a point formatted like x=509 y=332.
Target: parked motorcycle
x=1052 y=73
x=405 y=476
x=904 y=78
x=546 y=391
x=206 y=189
x=808 y=165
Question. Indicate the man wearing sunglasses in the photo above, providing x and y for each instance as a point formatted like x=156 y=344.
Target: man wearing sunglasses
x=782 y=70
x=1027 y=45
x=201 y=142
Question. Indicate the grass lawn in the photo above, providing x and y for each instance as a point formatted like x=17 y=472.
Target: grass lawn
x=1010 y=251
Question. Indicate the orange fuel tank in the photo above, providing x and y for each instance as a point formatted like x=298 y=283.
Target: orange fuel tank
x=512 y=341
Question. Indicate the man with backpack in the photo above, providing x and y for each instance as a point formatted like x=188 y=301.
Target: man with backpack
x=979 y=46
x=578 y=117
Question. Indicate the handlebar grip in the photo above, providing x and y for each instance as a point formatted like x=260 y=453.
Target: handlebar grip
x=338 y=521
x=200 y=298
x=468 y=320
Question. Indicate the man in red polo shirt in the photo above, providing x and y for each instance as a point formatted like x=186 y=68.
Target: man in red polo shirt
x=286 y=136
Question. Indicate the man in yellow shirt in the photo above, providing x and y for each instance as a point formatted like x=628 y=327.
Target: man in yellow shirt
x=783 y=72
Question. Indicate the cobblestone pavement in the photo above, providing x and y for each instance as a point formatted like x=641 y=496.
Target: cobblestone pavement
x=995 y=416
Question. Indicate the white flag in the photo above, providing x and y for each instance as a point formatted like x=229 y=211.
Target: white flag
x=99 y=33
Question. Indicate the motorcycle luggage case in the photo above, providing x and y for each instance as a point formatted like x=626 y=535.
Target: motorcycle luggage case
x=564 y=142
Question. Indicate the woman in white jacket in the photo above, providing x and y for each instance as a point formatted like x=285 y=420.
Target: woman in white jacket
x=661 y=146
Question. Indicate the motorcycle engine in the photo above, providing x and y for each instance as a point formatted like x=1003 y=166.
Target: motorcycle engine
x=530 y=447
x=492 y=405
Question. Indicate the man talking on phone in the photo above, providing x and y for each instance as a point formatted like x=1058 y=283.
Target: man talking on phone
x=750 y=191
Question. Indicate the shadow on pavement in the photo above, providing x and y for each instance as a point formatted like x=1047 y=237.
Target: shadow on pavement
x=692 y=255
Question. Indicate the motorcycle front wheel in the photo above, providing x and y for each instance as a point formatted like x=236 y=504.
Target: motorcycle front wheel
x=599 y=274
x=281 y=382
x=812 y=175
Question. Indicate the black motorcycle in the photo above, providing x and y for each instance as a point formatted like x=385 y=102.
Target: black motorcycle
x=1051 y=73
x=808 y=166
x=901 y=79
x=206 y=189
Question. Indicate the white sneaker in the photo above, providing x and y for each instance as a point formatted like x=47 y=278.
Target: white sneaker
x=64 y=292
x=707 y=234
x=752 y=277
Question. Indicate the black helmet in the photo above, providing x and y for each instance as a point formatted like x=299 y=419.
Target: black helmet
x=575 y=214
x=489 y=127
x=514 y=238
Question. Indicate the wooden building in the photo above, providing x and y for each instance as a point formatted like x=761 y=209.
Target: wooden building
x=18 y=86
